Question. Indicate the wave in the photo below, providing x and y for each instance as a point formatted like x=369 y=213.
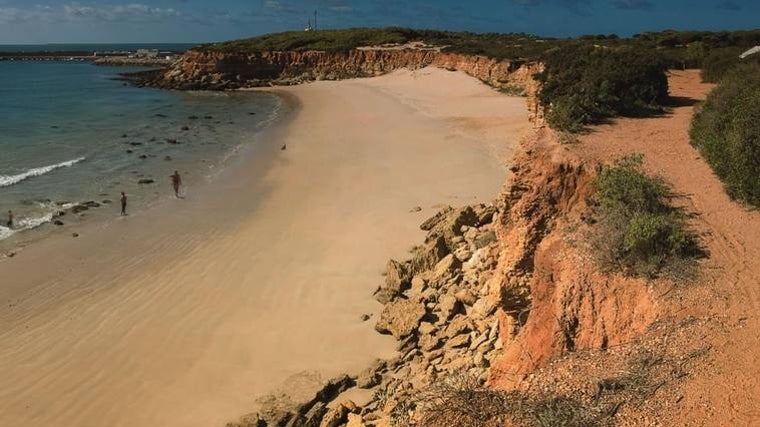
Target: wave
x=24 y=224
x=8 y=180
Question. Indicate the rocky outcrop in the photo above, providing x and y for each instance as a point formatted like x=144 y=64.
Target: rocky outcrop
x=495 y=293
x=551 y=298
x=225 y=71
x=435 y=309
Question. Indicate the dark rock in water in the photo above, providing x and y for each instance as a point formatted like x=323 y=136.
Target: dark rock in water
x=58 y=222
x=91 y=204
x=79 y=208
x=54 y=127
x=192 y=117
x=143 y=156
x=251 y=113
x=152 y=139
x=172 y=141
x=106 y=202
x=124 y=135
x=185 y=128
x=135 y=144
x=60 y=213
x=145 y=181
x=208 y=117
x=168 y=158
x=130 y=151
x=160 y=115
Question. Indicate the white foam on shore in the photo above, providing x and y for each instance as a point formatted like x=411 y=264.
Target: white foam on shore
x=24 y=224
x=8 y=180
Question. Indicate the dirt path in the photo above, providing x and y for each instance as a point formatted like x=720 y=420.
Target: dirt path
x=726 y=390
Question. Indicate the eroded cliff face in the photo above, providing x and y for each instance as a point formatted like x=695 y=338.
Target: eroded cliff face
x=224 y=71
x=551 y=298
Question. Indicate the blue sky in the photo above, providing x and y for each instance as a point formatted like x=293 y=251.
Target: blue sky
x=111 y=21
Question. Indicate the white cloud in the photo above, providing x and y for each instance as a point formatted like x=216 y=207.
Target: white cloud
x=132 y=12
x=118 y=13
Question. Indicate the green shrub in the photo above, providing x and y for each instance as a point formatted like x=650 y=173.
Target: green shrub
x=726 y=130
x=583 y=84
x=638 y=232
x=718 y=62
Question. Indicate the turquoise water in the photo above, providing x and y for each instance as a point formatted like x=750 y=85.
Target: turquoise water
x=70 y=133
x=92 y=47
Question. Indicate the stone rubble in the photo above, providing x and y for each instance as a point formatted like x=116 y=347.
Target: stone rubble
x=437 y=307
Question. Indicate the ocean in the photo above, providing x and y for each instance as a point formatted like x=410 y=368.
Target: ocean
x=71 y=133
x=92 y=47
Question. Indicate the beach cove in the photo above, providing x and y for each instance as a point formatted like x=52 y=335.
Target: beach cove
x=182 y=314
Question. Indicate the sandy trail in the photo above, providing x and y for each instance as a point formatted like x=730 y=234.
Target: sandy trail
x=180 y=316
x=727 y=390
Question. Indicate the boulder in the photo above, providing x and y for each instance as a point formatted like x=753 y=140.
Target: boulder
x=466 y=297
x=458 y=341
x=314 y=416
x=485 y=239
x=370 y=377
x=397 y=276
x=335 y=417
x=385 y=295
x=427 y=328
x=355 y=420
x=458 y=326
x=485 y=214
x=443 y=270
x=429 y=342
x=448 y=307
x=400 y=318
x=418 y=285
x=463 y=253
x=427 y=256
x=436 y=219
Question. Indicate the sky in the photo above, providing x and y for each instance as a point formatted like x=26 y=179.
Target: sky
x=194 y=21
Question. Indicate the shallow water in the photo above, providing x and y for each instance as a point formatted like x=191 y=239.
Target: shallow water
x=70 y=132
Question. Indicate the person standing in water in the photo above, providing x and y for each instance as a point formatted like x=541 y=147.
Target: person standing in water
x=176 y=182
x=123 y=204
x=10 y=219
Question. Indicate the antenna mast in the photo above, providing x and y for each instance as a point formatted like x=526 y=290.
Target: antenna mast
x=315 y=19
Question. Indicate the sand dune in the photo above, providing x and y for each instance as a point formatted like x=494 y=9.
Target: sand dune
x=181 y=315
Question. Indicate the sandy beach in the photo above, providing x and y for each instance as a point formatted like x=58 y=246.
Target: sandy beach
x=182 y=315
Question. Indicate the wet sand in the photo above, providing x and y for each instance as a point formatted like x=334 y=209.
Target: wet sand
x=183 y=314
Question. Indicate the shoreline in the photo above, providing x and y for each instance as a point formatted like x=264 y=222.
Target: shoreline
x=191 y=315
x=61 y=216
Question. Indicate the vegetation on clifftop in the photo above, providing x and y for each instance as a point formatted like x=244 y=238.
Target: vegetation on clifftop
x=582 y=84
x=586 y=80
x=726 y=130
x=638 y=232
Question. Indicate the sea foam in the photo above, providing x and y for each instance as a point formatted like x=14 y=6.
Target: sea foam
x=24 y=224
x=8 y=180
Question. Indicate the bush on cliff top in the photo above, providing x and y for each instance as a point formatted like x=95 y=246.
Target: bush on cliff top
x=582 y=84
x=510 y=45
x=726 y=130
x=638 y=232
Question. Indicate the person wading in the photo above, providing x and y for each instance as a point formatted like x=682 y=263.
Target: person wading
x=123 y=204
x=10 y=219
x=176 y=182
